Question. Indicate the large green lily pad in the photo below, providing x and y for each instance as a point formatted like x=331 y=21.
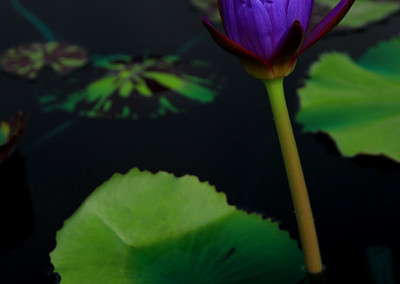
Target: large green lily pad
x=356 y=102
x=156 y=228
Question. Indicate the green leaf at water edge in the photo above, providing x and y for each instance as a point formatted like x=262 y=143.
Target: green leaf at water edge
x=356 y=102
x=156 y=228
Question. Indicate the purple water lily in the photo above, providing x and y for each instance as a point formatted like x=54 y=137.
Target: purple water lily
x=269 y=35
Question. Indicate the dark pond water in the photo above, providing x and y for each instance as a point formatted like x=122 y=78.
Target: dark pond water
x=231 y=142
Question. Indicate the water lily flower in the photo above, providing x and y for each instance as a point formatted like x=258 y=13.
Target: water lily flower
x=269 y=35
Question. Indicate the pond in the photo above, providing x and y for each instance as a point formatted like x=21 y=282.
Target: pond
x=221 y=130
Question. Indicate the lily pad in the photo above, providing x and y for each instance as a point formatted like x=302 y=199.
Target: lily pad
x=10 y=132
x=28 y=60
x=362 y=13
x=156 y=228
x=122 y=86
x=356 y=102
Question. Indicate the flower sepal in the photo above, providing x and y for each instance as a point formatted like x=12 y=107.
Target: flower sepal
x=282 y=63
x=263 y=72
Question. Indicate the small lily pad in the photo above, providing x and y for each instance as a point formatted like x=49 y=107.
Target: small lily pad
x=362 y=13
x=10 y=132
x=132 y=87
x=356 y=102
x=156 y=228
x=28 y=60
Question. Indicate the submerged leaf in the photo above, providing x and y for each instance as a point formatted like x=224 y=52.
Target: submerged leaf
x=123 y=87
x=356 y=102
x=156 y=228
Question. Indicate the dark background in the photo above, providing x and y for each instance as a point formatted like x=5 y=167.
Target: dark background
x=231 y=143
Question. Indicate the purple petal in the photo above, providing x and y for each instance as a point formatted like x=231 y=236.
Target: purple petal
x=255 y=28
x=290 y=43
x=233 y=47
x=285 y=4
x=227 y=10
x=299 y=10
x=329 y=22
x=277 y=15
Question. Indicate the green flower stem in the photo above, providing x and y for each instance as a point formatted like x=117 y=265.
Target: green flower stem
x=301 y=202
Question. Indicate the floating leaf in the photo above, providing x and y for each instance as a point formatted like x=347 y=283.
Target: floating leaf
x=126 y=87
x=362 y=13
x=28 y=60
x=356 y=102
x=156 y=228
x=10 y=132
